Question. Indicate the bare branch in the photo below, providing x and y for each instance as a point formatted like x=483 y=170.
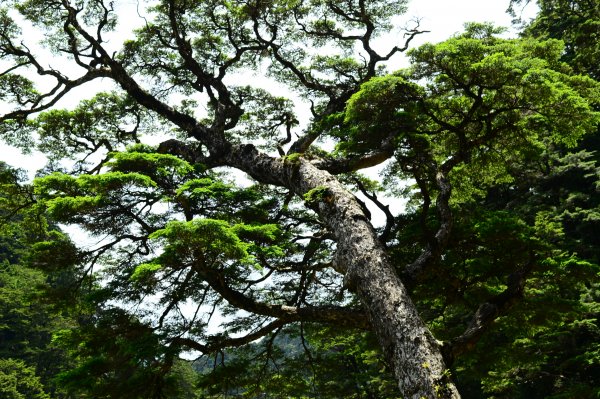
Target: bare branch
x=389 y=217
x=324 y=314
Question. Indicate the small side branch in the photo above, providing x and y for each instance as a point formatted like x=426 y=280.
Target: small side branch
x=435 y=247
x=389 y=217
x=341 y=316
x=218 y=343
x=487 y=313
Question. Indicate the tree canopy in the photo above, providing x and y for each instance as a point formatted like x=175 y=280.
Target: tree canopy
x=225 y=226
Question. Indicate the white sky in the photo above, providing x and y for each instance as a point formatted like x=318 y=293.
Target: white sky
x=442 y=18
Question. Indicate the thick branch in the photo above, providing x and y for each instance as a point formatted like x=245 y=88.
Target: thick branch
x=189 y=152
x=217 y=343
x=337 y=166
x=324 y=314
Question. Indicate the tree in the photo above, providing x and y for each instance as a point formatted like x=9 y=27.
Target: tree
x=297 y=245
x=32 y=287
x=546 y=346
x=17 y=381
x=577 y=23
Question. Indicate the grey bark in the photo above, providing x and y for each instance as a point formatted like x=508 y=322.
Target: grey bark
x=409 y=346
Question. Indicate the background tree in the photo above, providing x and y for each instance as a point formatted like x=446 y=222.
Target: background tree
x=296 y=245
x=18 y=381
x=576 y=22
x=556 y=192
x=33 y=290
x=49 y=312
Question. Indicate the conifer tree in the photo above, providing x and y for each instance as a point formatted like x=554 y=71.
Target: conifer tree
x=295 y=245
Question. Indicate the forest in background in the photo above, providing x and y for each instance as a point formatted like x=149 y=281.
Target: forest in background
x=499 y=250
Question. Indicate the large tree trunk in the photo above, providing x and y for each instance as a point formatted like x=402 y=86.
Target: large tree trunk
x=405 y=340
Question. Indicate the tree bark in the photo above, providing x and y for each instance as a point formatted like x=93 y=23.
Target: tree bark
x=409 y=346
x=407 y=343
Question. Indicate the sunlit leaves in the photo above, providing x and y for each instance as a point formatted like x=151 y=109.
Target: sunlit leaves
x=381 y=97
x=144 y=271
x=474 y=91
x=113 y=197
x=502 y=88
x=212 y=243
x=215 y=240
x=165 y=169
x=475 y=98
x=383 y=110
x=19 y=381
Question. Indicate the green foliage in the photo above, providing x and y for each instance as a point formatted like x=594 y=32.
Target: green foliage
x=267 y=119
x=215 y=238
x=320 y=362
x=556 y=355
x=119 y=357
x=36 y=279
x=16 y=88
x=383 y=106
x=19 y=381
x=519 y=83
x=225 y=234
x=482 y=102
x=488 y=127
x=107 y=122
x=577 y=23
x=144 y=271
x=546 y=345
x=143 y=159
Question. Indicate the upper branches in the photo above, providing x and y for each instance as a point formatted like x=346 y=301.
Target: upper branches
x=192 y=49
x=455 y=119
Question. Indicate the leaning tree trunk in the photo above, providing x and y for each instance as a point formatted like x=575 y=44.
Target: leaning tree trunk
x=405 y=340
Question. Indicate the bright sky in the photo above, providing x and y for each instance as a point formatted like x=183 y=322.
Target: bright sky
x=442 y=18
